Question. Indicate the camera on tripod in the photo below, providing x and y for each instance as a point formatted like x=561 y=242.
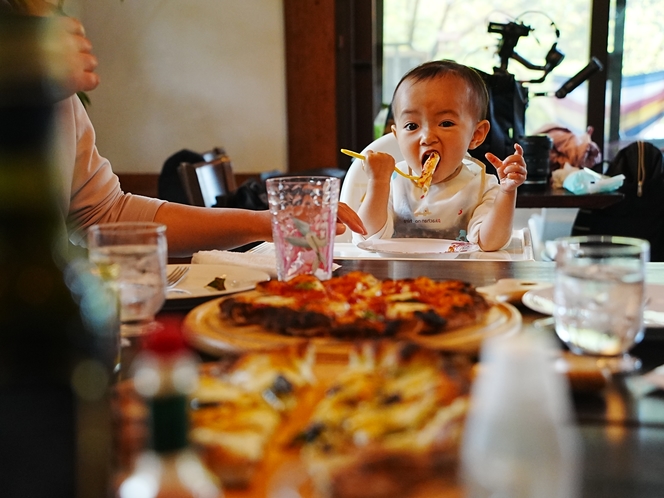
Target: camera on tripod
x=509 y=29
x=509 y=96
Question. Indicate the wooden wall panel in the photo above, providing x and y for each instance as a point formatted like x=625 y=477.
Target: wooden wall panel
x=139 y=183
x=147 y=183
x=311 y=83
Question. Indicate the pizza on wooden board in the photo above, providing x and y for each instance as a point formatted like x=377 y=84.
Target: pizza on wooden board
x=392 y=405
x=357 y=305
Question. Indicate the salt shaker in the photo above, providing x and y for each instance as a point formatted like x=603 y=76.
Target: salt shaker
x=520 y=439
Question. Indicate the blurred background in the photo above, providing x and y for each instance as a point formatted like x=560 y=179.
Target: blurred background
x=285 y=84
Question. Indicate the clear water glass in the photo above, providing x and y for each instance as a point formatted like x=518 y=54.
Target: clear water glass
x=133 y=256
x=304 y=215
x=599 y=296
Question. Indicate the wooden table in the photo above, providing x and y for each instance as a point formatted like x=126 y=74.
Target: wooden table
x=622 y=435
x=549 y=197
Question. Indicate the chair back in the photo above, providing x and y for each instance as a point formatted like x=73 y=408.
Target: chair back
x=169 y=184
x=204 y=181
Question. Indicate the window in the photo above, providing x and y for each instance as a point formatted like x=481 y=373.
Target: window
x=636 y=46
x=415 y=31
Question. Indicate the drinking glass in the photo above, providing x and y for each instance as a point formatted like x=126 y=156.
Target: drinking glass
x=599 y=296
x=133 y=256
x=304 y=214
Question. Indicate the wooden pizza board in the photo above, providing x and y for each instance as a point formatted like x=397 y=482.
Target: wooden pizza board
x=206 y=330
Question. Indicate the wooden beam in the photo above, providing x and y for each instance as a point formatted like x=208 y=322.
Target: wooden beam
x=599 y=38
x=311 y=83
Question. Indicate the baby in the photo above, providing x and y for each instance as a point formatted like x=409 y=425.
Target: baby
x=439 y=113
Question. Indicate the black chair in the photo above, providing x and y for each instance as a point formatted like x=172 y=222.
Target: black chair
x=206 y=180
x=169 y=185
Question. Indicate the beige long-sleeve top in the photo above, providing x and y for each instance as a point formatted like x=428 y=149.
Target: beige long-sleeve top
x=90 y=191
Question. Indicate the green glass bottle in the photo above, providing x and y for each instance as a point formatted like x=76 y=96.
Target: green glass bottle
x=165 y=374
x=58 y=325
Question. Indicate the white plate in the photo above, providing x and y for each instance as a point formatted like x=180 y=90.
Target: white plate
x=194 y=284
x=440 y=248
x=510 y=290
x=541 y=300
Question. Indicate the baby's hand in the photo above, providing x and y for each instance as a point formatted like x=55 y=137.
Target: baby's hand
x=379 y=166
x=512 y=171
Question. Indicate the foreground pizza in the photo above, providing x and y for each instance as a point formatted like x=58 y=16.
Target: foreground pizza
x=394 y=405
x=240 y=405
x=356 y=427
x=357 y=305
x=392 y=419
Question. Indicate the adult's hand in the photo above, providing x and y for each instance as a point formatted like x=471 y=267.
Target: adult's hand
x=346 y=216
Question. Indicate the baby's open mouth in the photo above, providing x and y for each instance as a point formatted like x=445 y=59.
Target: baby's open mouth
x=429 y=162
x=426 y=156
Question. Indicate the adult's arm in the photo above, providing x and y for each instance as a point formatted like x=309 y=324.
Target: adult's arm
x=190 y=229
x=91 y=192
x=96 y=197
x=92 y=195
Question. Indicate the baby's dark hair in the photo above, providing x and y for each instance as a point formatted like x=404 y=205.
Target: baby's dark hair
x=434 y=69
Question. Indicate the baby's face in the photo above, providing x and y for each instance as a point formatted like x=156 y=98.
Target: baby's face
x=436 y=115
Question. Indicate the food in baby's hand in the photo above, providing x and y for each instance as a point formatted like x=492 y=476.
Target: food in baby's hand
x=219 y=283
x=423 y=181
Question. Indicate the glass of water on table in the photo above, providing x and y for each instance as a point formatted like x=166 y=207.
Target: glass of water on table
x=132 y=257
x=599 y=297
x=304 y=215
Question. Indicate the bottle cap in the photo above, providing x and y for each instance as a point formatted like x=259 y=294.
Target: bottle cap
x=165 y=342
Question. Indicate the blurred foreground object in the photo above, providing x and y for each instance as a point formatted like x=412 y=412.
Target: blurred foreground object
x=165 y=374
x=58 y=323
x=44 y=59
x=520 y=439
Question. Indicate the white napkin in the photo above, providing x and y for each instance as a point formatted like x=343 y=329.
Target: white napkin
x=264 y=262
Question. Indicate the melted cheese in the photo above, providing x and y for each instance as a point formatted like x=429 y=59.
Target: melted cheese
x=240 y=411
x=275 y=300
x=379 y=399
x=246 y=444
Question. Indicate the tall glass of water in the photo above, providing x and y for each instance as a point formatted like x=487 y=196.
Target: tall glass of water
x=133 y=257
x=304 y=215
x=599 y=296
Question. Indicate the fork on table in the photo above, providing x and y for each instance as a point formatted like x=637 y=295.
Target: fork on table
x=176 y=275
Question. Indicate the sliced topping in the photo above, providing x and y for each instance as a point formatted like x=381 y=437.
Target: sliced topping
x=391 y=396
x=219 y=283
